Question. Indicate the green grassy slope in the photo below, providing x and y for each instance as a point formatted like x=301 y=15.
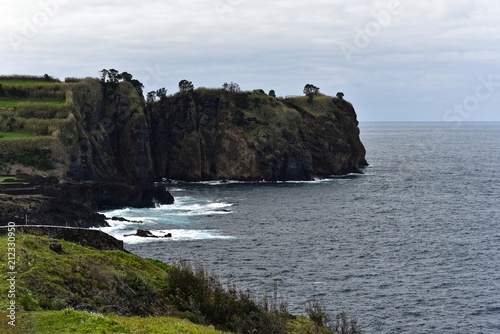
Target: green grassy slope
x=84 y=290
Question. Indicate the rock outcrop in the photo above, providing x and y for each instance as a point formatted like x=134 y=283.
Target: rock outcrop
x=112 y=142
x=214 y=134
x=207 y=134
x=113 y=145
x=74 y=204
x=85 y=237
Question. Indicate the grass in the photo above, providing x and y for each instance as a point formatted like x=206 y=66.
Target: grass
x=84 y=290
x=13 y=103
x=28 y=82
x=16 y=135
x=71 y=321
x=9 y=179
x=82 y=276
x=321 y=105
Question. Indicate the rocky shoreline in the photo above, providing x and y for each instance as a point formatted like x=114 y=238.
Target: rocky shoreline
x=47 y=201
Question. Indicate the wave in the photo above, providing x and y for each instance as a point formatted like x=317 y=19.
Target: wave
x=200 y=209
x=329 y=178
x=183 y=206
x=177 y=235
x=164 y=219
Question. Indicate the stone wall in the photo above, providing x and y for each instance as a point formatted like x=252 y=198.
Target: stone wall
x=82 y=236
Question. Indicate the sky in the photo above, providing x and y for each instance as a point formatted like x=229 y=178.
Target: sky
x=395 y=60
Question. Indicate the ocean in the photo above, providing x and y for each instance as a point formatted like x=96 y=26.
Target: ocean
x=410 y=246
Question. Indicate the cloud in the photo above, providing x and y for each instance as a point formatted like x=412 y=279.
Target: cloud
x=435 y=48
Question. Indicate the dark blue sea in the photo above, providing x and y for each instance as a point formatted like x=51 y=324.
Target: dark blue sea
x=410 y=246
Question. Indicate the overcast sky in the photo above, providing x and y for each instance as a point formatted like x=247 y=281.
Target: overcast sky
x=395 y=60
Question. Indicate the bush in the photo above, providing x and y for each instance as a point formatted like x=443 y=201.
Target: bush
x=32 y=151
x=33 y=157
x=42 y=110
x=72 y=79
x=345 y=326
x=316 y=312
x=201 y=297
x=17 y=77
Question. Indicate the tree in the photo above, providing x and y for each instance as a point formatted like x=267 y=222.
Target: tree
x=232 y=87
x=126 y=76
x=310 y=91
x=272 y=93
x=185 y=86
x=340 y=95
x=151 y=97
x=113 y=75
x=161 y=93
x=138 y=85
x=104 y=74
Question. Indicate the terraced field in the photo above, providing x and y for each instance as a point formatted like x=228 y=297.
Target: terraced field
x=13 y=103
x=32 y=110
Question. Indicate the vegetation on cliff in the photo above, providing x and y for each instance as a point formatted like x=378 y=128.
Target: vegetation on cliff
x=81 y=289
x=102 y=130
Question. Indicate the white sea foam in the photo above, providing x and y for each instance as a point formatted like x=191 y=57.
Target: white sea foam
x=159 y=219
x=177 y=235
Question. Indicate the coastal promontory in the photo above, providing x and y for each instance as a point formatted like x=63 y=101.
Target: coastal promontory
x=99 y=143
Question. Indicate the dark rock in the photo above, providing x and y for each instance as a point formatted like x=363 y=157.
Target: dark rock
x=196 y=138
x=75 y=204
x=142 y=233
x=120 y=219
x=55 y=245
x=116 y=141
x=82 y=236
x=148 y=234
x=145 y=233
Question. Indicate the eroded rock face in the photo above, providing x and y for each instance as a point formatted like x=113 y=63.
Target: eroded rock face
x=210 y=134
x=74 y=204
x=213 y=134
x=113 y=141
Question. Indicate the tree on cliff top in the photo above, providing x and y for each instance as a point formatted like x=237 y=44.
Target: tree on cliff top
x=310 y=91
x=232 y=87
x=185 y=86
x=161 y=93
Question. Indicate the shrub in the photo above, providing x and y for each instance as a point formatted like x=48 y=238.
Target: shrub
x=72 y=79
x=17 y=77
x=345 y=326
x=201 y=297
x=316 y=312
x=32 y=151
x=42 y=110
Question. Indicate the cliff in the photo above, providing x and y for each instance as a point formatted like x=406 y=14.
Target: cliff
x=105 y=145
x=106 y=132
x=113 y=135
x=212 y=134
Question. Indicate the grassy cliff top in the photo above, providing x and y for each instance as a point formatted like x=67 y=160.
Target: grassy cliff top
x=84 y=290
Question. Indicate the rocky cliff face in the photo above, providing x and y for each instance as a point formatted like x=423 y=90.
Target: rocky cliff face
x=208 y=134
x=214 y=134
x=112 y=141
